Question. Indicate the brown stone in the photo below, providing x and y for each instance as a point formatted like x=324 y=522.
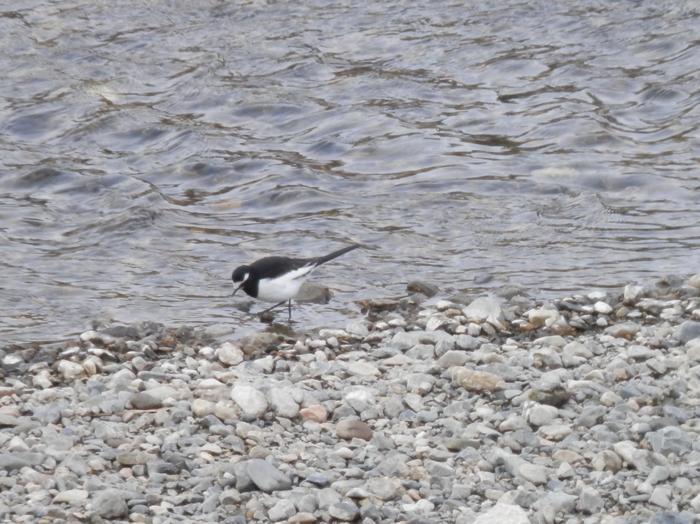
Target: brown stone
x=477 y=381
x=353 y=428
x=315 y=413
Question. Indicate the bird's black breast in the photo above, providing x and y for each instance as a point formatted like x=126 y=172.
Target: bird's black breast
x=273 y=267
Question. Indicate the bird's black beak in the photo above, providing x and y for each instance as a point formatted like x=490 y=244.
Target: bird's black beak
x=236 y=290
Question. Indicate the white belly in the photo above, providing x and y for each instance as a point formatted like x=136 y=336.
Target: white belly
x=283 y=287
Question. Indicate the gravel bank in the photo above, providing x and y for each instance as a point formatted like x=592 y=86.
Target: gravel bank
x=500 y=409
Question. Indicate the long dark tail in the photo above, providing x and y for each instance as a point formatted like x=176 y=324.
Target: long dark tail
x=322 y=260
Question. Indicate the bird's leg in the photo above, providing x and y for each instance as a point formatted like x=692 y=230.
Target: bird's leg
x=271 y=308
x=290 y=309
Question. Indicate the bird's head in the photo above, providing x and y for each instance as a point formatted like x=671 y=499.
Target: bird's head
x=239 y=276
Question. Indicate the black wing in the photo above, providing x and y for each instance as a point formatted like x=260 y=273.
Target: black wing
x=272 y=267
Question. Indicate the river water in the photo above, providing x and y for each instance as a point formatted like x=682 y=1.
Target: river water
x=147 y=148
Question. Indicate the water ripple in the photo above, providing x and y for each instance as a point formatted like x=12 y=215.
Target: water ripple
x=146 y=149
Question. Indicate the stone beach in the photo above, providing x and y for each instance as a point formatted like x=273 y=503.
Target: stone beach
x=502 y=409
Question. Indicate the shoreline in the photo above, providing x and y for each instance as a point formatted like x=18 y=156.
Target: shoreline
x=459 y=409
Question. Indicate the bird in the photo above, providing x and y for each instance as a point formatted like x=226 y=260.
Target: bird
x=278 y=279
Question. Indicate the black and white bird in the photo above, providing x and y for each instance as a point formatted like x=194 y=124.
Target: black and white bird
x=278 y=279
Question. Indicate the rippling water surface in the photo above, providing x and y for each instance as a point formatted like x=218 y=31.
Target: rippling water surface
x=147 y=148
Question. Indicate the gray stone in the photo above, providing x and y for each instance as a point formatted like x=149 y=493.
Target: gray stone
x=132 y=458
x=359 y=398
x=419 y=383
x=632 y=293
x=541 y=414
x=357 y=329
x=533 y=473
x=672 y=517
x=630 y=453
x=361 y=369
x=422 y=352
x=326 y=497
x=164 y=392
x=282 y=510
x=144 y=401
x=485 y=309
x=555 y=502
x=20 y=459
x=110 y=504
x=607 y=460
x=385 y=488
x=283 y=401
x=345 y=511
x=658 y=474
x=688 y=330
x=466 y=342
x=73 y=497
x=252 y=402
x=266 y=476
x=661 y=496
x=637 y=352
x=69 y=370
x=8 y=421
x=623 y=330
x=602 y=307
x=670 y=439
x=589 y=501
x=452 y=358
x=229 y=354
x=503 y=514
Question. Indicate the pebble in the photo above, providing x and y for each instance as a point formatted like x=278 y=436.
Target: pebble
x=476 y=381
x=283 y=401
x=352 y=428
x=315 y=413
x=589 y=501
x=688 y=330
x=145 y=401
x=74 y=497
x=602 y=307
x=266 y=476
x=624 y=330
x=503 y=514
x=485 y=309
x=452 y=358
x=283 y=510
x=229 y=354
x=345 y=511
x=541 y=414
x=70 y=370
x=110 y=504
x=565 y=410
x=251 y=401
